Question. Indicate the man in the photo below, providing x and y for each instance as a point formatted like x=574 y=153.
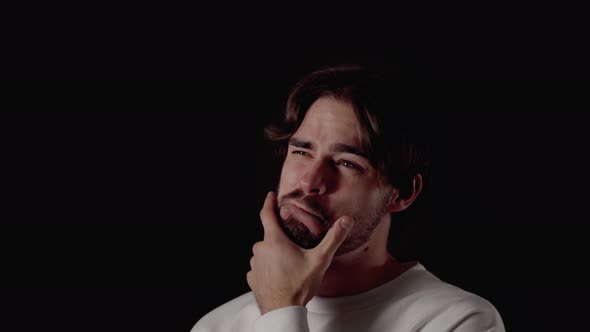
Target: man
x=350 y=163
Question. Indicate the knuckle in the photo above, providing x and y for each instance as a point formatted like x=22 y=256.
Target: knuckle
x=249 y=278
x=256 y=247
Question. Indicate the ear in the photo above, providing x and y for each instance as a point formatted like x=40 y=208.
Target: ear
x=398 y=204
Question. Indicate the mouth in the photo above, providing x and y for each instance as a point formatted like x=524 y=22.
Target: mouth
x=308 y=210
x=312 y=221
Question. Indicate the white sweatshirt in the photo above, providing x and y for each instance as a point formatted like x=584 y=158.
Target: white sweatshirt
x=414 y=301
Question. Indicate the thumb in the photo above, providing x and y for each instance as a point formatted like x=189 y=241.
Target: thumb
x=334 y=238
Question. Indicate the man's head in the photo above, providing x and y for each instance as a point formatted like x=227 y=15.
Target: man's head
x=347 y=150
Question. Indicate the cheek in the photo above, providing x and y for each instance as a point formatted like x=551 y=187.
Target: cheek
x=288 y=180
x=358 y=199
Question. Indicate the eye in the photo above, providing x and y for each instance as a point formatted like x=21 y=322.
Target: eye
x=349 y=164
x=299 y=152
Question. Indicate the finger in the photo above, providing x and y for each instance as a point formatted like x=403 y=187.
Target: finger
x=256 y=247
x=268 y=216
x=334 y=238
x=250 y=279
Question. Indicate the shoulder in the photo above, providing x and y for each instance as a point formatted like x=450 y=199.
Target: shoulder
x=443 y=306
x=459 y=310
x=465 y=311
x=224 y=317
x=422 y=285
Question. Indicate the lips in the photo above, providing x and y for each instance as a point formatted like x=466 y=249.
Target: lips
x=307 y=210
x=308 y=219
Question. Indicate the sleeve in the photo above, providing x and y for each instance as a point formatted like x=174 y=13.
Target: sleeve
x=287 y=319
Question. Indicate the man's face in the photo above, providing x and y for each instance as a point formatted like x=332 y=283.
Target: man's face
x=323 y=178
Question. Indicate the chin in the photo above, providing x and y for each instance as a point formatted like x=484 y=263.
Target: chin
x=300 y=234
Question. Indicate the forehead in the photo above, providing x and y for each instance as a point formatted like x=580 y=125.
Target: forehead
x=330 y=120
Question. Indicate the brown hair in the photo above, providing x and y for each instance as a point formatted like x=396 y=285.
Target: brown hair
x=388 y=111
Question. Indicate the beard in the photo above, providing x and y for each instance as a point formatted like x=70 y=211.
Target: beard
x=365 y=222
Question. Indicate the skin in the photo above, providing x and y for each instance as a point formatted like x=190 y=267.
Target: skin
x=335 y=198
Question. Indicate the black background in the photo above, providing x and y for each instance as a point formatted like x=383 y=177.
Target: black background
x=133 y=205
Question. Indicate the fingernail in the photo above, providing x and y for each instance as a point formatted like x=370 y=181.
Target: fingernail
x=346 y=223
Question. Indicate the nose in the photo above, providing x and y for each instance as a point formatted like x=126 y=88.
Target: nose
x=315 y=179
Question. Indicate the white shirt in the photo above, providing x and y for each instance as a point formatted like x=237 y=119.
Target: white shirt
x=416 y=300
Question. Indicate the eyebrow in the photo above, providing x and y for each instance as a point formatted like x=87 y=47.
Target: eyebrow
x=336 y=147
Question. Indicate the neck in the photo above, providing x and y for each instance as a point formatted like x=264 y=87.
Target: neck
x=363 y=269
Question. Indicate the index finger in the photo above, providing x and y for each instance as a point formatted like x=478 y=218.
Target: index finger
x=268 y=216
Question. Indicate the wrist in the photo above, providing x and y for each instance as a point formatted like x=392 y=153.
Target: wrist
x=268 y=308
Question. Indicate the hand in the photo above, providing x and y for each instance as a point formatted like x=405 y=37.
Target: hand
x=282 y=273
